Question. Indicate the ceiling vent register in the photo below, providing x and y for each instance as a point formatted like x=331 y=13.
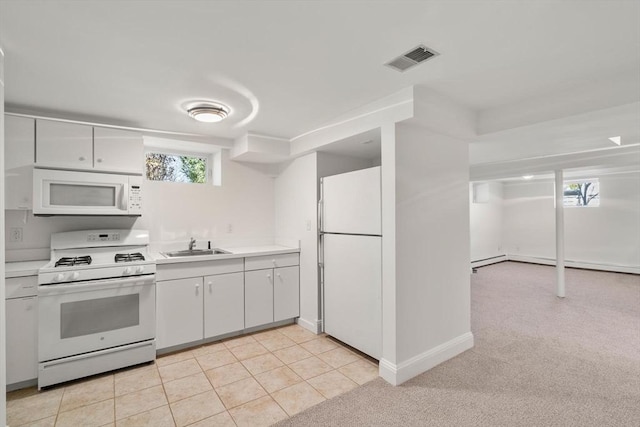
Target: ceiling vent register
x=411 y=58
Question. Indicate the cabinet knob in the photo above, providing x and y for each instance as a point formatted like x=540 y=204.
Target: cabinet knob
x=82 y=158
x=210 y=286
x=273 y=261
x=268 y=276
x=99 y=160
x=278 y=274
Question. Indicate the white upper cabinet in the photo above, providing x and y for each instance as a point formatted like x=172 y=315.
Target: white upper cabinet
x=64 y=145
x=19 y=153
x=117 y=150
x=82 y=147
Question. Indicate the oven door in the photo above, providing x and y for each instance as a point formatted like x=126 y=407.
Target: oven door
x=82 y=317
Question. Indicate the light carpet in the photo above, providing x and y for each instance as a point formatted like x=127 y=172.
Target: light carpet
x=538 y=360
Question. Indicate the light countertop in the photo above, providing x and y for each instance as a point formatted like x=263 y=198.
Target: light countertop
x=23 y=268
x=30 y=268
x=238 y=252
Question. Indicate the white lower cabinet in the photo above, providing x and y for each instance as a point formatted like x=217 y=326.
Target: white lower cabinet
x=286 y=293
x=223 y=304
x=179 y=312
x=222 y=298
x=22 y=329
x=271 y=295
x=22 y=339
x=258 y=297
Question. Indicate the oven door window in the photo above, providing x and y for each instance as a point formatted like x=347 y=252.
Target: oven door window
x=98 y=315
x=82 y=195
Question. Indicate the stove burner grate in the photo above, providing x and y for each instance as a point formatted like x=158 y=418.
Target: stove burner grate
x=137 y=256
x=71 y=261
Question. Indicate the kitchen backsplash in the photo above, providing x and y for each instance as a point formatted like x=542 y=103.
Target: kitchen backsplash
x=240 y=212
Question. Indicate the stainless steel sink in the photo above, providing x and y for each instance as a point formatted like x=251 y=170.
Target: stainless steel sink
x=195 y=252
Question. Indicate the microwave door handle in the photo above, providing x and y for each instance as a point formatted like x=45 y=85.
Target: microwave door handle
x=123 y=198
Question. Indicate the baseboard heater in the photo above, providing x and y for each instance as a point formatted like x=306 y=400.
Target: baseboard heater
x=575 y=264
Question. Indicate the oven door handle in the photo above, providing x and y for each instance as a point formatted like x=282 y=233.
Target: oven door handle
x=96 y=285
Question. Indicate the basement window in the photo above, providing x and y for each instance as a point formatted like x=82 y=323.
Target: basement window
x=171 y=160
x=582 y=193
x=176 y=167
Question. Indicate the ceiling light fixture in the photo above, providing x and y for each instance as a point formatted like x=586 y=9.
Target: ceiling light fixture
x=527 y=176
x=616 y=140
x=209 y=112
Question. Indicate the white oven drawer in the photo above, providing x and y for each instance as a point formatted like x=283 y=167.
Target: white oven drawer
x=89 y=316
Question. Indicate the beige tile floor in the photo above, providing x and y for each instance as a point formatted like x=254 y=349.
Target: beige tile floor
x=252 y=380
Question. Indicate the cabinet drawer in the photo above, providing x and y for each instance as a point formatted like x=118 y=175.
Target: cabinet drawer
x=17 y=287
x=198 y=268
x=271 y=261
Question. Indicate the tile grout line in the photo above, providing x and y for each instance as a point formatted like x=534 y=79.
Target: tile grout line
x=189 y=354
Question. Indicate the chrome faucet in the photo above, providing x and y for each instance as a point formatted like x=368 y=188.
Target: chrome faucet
x=192 y=244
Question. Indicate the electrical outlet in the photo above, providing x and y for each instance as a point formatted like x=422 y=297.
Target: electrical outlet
x=15 y=234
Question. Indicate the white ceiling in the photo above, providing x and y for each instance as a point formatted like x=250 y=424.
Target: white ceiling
x=287 y=67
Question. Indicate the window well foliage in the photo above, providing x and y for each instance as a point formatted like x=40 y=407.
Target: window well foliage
x=176 y=168
x=582 y=193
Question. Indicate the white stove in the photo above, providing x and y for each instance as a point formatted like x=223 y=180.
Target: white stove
x=97 y=254
x=96 y=304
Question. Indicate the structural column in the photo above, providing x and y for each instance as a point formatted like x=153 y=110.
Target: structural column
x=559 y=192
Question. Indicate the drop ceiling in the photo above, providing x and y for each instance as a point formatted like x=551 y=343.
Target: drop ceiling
x=286 y=67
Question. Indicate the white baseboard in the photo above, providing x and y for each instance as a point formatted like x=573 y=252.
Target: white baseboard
x=313 y=326
x=397 y=374
x=488 y=261
x=575 y=264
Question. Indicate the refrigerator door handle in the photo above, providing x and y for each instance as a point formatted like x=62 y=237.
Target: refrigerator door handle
x=321 y=276
x=320 y=209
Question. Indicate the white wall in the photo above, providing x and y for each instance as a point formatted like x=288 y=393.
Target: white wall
x=174 y=212
x=3 y=376
x=296 y=217
x=486 y=223
x=529 y=218
x=432 y=250
x=332 y=164
x=606 y=235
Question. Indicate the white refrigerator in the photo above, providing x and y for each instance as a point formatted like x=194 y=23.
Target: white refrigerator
x=351 y=258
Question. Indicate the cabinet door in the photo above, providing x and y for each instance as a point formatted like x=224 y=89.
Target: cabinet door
x=286 y=293
x=64 y=145
x=258 y=297
x=117 y=150
x=19 y=154
x=178 y=312
x=22 y=339
x=223 y=304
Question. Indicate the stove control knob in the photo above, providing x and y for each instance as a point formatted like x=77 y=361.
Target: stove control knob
x=127 y=270
x=140 y=269
x=59 y=277
x=75 y=275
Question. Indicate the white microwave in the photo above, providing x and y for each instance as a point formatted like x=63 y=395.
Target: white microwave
x=61 y=192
